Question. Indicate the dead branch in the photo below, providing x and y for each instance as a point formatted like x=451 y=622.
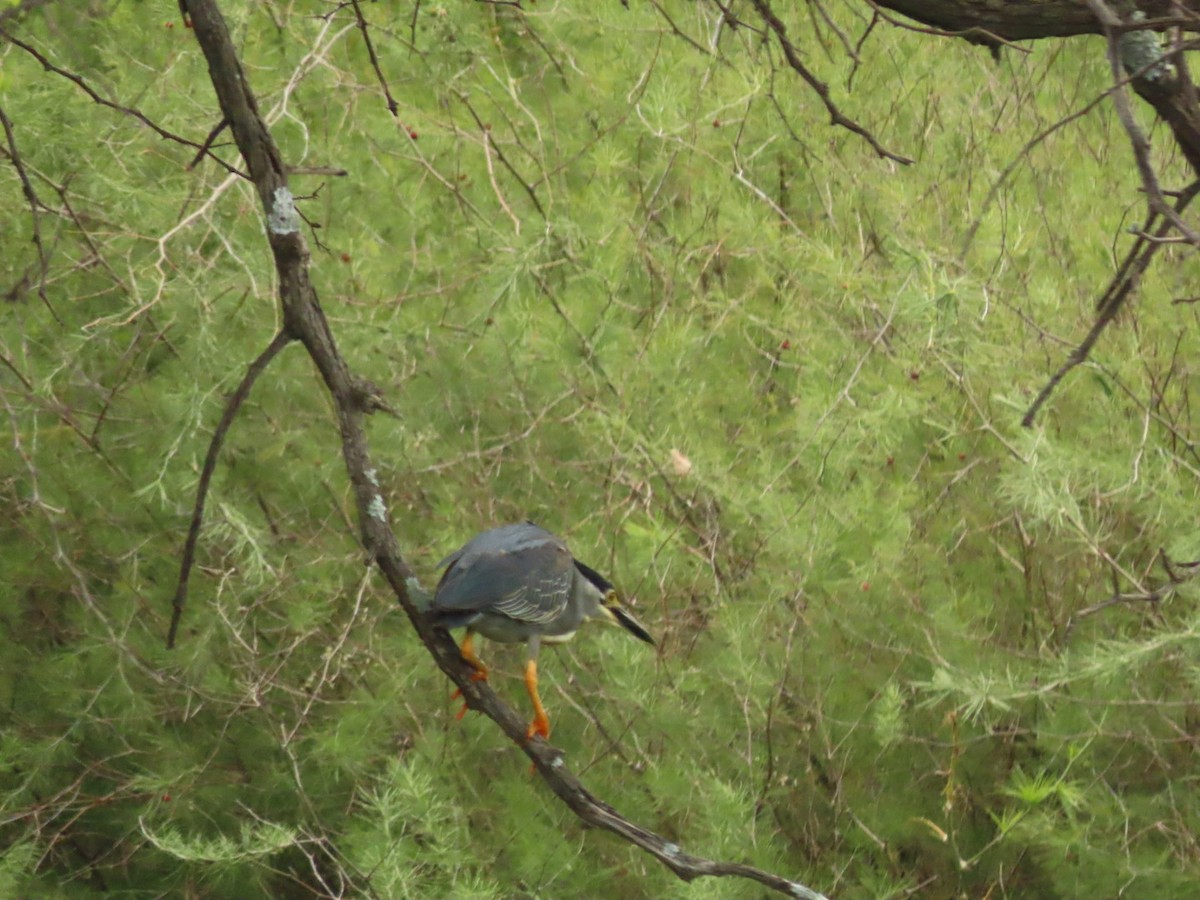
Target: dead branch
x=1177 y=574
x=392 y=105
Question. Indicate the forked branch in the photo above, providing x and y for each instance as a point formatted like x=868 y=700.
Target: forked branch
x=353 y=399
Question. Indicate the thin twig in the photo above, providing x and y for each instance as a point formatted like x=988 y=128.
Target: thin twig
x=129 y=111
x=35 y=203
x=500 y=155
x=208 y=142
x=680 y=33
x=392 y=105
x=1175 y=579
x=1016 y=161
x=792 y=55
x=412 y=22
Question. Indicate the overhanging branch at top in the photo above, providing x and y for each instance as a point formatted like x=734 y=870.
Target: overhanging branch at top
x=1028 y=20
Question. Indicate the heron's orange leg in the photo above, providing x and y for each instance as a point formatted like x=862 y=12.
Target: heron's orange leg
x=467 y=649
x=541 y=723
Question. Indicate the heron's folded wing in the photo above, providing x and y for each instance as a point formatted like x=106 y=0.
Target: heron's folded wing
x=531 y=583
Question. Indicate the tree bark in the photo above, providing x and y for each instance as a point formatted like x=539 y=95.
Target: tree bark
x=1026 y=20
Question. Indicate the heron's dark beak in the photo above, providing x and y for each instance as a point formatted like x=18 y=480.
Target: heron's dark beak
x=621 y=617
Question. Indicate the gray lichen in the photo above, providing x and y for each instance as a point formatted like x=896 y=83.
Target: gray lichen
x=1142 y=52
x=417 y=593
x=283 y=219
x=804 y=893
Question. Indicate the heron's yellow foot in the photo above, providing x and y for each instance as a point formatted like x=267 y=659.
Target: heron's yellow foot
x=480 y=673
x=539 y=726
x=477 y=675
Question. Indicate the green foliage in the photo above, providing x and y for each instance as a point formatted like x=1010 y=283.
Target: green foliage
x=634 y=287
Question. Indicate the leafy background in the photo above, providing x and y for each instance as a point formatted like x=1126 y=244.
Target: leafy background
x=614 y=273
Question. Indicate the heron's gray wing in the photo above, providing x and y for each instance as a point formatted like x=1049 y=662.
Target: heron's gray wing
x=544 y=593
x=450 y=560
x=524 y=575
x=504 y=538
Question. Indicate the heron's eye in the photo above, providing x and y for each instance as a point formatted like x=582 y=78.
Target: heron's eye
x=611 y=598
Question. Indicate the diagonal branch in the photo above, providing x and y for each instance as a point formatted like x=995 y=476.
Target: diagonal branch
x=79 y=81
x=1122 y=286
x=353 y=399
x=1137 y=138
x=392 y=105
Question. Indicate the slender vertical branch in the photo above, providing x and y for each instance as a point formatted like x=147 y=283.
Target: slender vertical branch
x=238 y=397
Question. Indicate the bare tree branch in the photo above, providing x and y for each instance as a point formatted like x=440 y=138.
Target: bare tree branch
x=1175 y=578
x=353 y=400
x=392 y=105
x=1137 y=138
x=1156 y=80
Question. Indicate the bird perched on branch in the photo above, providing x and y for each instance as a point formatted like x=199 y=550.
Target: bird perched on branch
x=520 y=583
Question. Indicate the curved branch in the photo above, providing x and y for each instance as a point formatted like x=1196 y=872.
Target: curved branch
x=353 y=399
x=236 y=400
x=35 y=203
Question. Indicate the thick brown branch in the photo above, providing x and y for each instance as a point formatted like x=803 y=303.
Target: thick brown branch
x=1175 y=101
x=1137 y=138
x=353 y=398
x=1021 y=20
